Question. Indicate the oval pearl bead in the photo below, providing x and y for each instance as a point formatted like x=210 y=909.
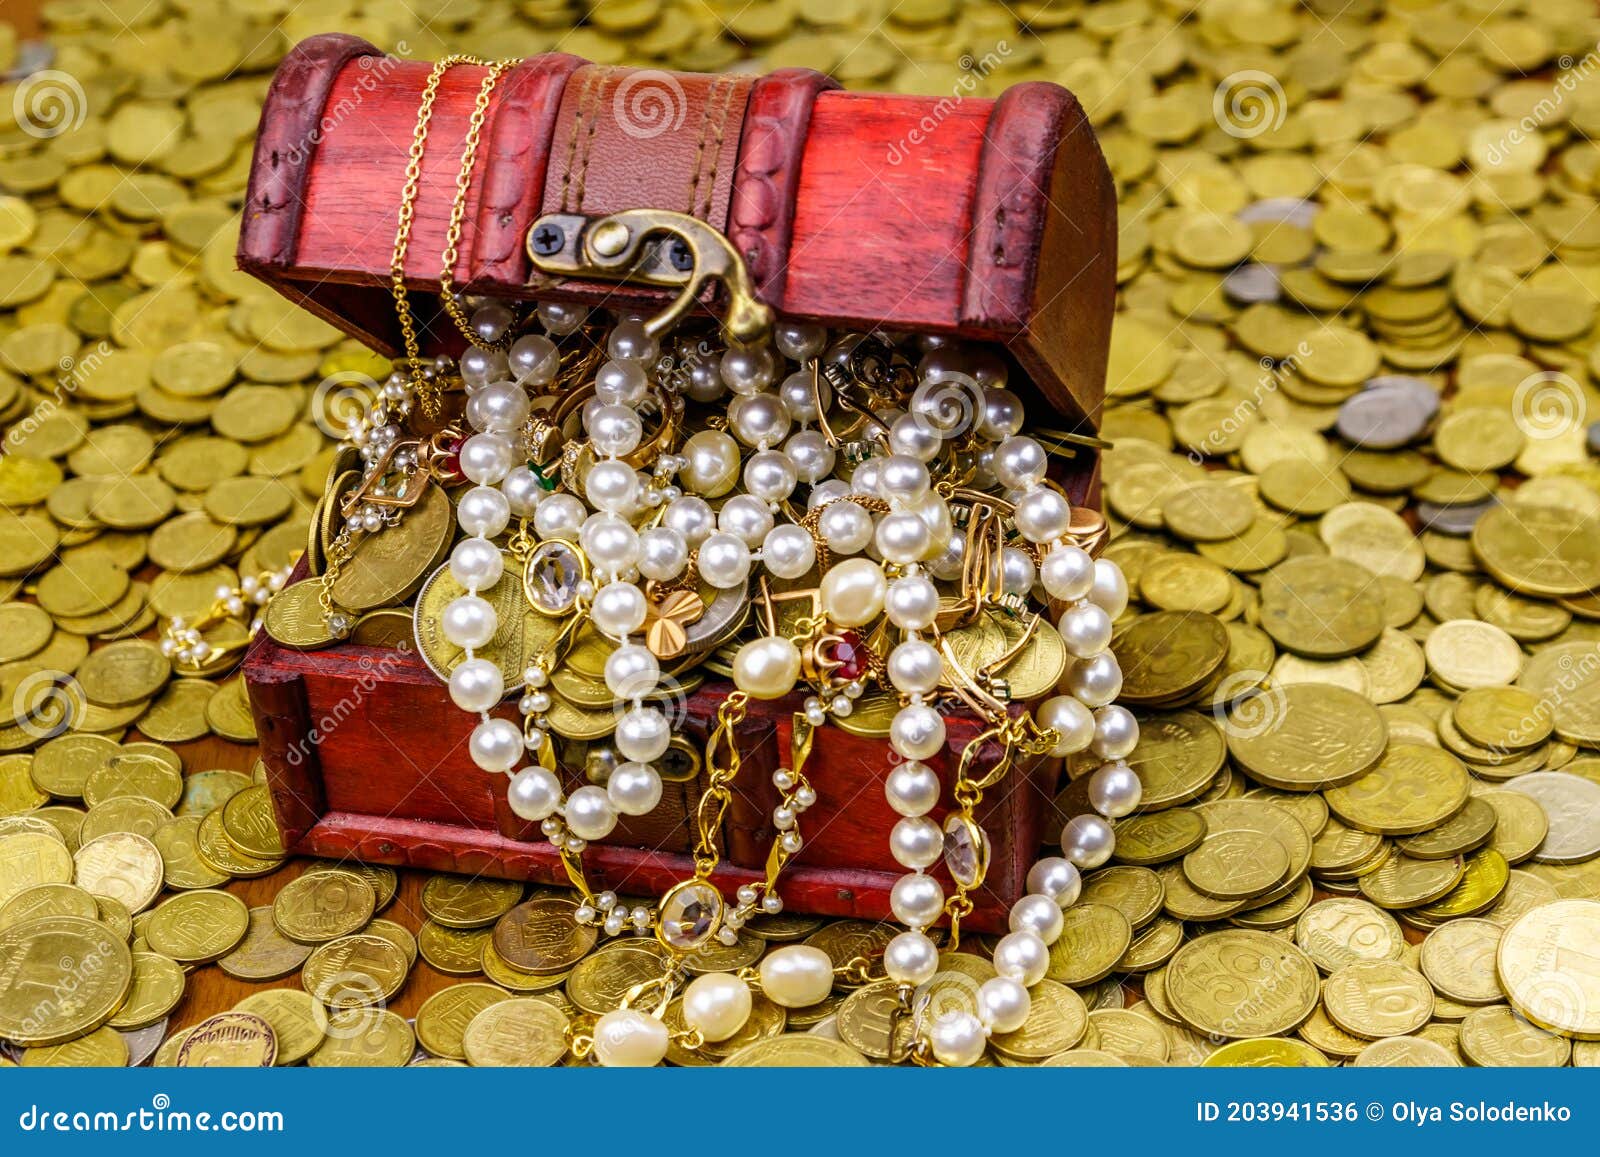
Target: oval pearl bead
x=1003 y=1004
x=767 y=668
x=853 y=592
x=788 y=551
x=1037 y=914
x=717 y=1004
x=1056 y=877
x=713 y=463
x=912 y=788
x=917 y=900
x=627 y=1038
x=796 y=975
x=957 y=1039
x=496 y=745
x=1071 y=720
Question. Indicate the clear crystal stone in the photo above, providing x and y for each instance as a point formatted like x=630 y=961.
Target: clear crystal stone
x=690 y=915
x=966 y=852
x=554 y=572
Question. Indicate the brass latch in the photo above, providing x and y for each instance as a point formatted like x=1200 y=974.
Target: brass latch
x=652 y=247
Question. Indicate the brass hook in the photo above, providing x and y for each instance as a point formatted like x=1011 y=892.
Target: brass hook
x=614 y=247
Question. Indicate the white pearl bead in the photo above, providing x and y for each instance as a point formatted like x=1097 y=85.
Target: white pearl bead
x=618 y=610
x=826 y=491
x=864 y=479
x=499 y=408
x=788 y=551
x=559 y=516
x=1042 y=515
x=957 y=1038
x=561 y=317
x=916 y=842
x=1071 y=720
x=713 y=463
x=813 y=458
x=469 y=621
x=903 y=538
x=483 y=511
x=845 y=527
x=770 y=476
x=758 y=419
x=1086 y=629
x=799 y=341
x=534 y=360
x=718 y=1004
x=1022 y=956
x=724 y=560
x=614 y=430
x=691 y=517
x=746 y=518
x=1016 y=571
x=917 y=732
x=1110 y=589
x=911 y=958
x=799 y=398
x=1019 y=463
x=476 y=685
x=476 y=563
x=767 y=668
x=643 y=734
x=534 y=793
x=1057 y=878
x=912 y=602
x=621 y=383
x=1002 y=415
x=1097 y=680
x=632 y=671
x=1116 y=732
x=496 y=745
x=630 y=342
x=590 y=813
x=634 y=788
x=1037 y=914
x=1087 y=841
x=853 y=591
x=915 y=667
x=1115 y=790
x=522 y=490
x=1003 y=1004
x=486 y=458
x=610 y=541
x=902 y=478
x=627 y=1038
x=612 y=485
x=663 y=553
x=916 y=900
x=796 y=975
x=1067 y=573
x=909 y=434
x=748 y=371
x=912 y=788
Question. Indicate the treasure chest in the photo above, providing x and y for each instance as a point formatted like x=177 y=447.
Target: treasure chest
x=988 y=220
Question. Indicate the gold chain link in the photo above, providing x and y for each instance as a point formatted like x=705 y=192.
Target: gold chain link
x=452 y=240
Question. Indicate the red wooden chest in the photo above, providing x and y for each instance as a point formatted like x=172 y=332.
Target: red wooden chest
x=993 y=220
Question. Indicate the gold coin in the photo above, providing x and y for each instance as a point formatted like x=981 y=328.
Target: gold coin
x=134 y=774
x=1466 y=831
x=1236 y=864
x=1177 y=757
x=1406 y=1052
x=1402 y=882
x=463 y=902
x=1166 y=654
x=158 y=984
x=444 y=1018
x=1458 y=959
x=1412 y=788
x=1503 y=717
x=105 y=1048
x=875 y=1022
x=323 y=906
x=62 y=765
x=218 y=852
x=1157 y=837
x=1126 y=1033
x=1377 y=998
x=122 y=867
x=198 y=927
x=1093 y=938
x=796 y=1050
x=49 y=955
x=1321 y=608
x=1539 y=550
x=299 y=1023
x=1266 y=1053
x=48 y=900
x=542 y=936
x=384 y=880
x=1338 y=931
x=229 y=1040
x=1057 y=1021
x=29 y=859
x=600 y=981
x=251 y=826
x=1310 y=736
x=1241 y=984
x=179 y=845
x=365 y=1038
x=453 y=951
x=388 y=567
x=1520 y=824
x=1466 y=653
x=766 y=1021
x=264 y=953
x=1481 y=885
x=1496 y=1036
x=1135 y=892
x=1544 y=965
x=356 y=971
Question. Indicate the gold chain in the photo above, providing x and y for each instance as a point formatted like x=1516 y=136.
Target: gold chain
x=452 y=239
x=722 y=765
x=427 y=392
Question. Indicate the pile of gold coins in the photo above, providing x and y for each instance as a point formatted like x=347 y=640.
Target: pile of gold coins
x=1351 y=486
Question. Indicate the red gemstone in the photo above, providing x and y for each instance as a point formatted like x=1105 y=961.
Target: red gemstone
x=450 y=464
x=850 y=655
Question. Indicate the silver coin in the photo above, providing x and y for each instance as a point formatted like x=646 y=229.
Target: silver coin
x=1290 y=210
x=1573 y=805
x=143 y=1043
x=724 y=615
x=1253 y=284
x=1456 y=520
x=1388 y=415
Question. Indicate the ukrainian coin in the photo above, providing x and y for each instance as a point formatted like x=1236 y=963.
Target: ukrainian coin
x=1241 y=984
x=1497 y=1036
x=1406 y=1052
x=1458 y=959
x=122 y=867
x=1093 y=938
x=356 y=971
x=541 y=936
x=1339 y=931
x=444 y=1018
x=1318 y=736
x=104 y=1048
x=1546 y=965
x=1412 y=789
x=250 y=825
x=264 y=953
x=796 y=1050
x=364 y=1038
x=453 y=951
x=1266 y=1053
x=198 y=927
x=29 y=859
x=80 y=961
x=299 y=1023
x=1572 y=807
x=323 y=906
x=599 y=982
x=1236 y=864
x=1402 y=882
x=229 y=1040
x=1377 y=998
x=1521 y=824
x=462 y=902
x=1157 y=837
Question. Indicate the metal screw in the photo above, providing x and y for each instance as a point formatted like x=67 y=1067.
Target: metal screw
x=548 y=239
x=681 y=256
